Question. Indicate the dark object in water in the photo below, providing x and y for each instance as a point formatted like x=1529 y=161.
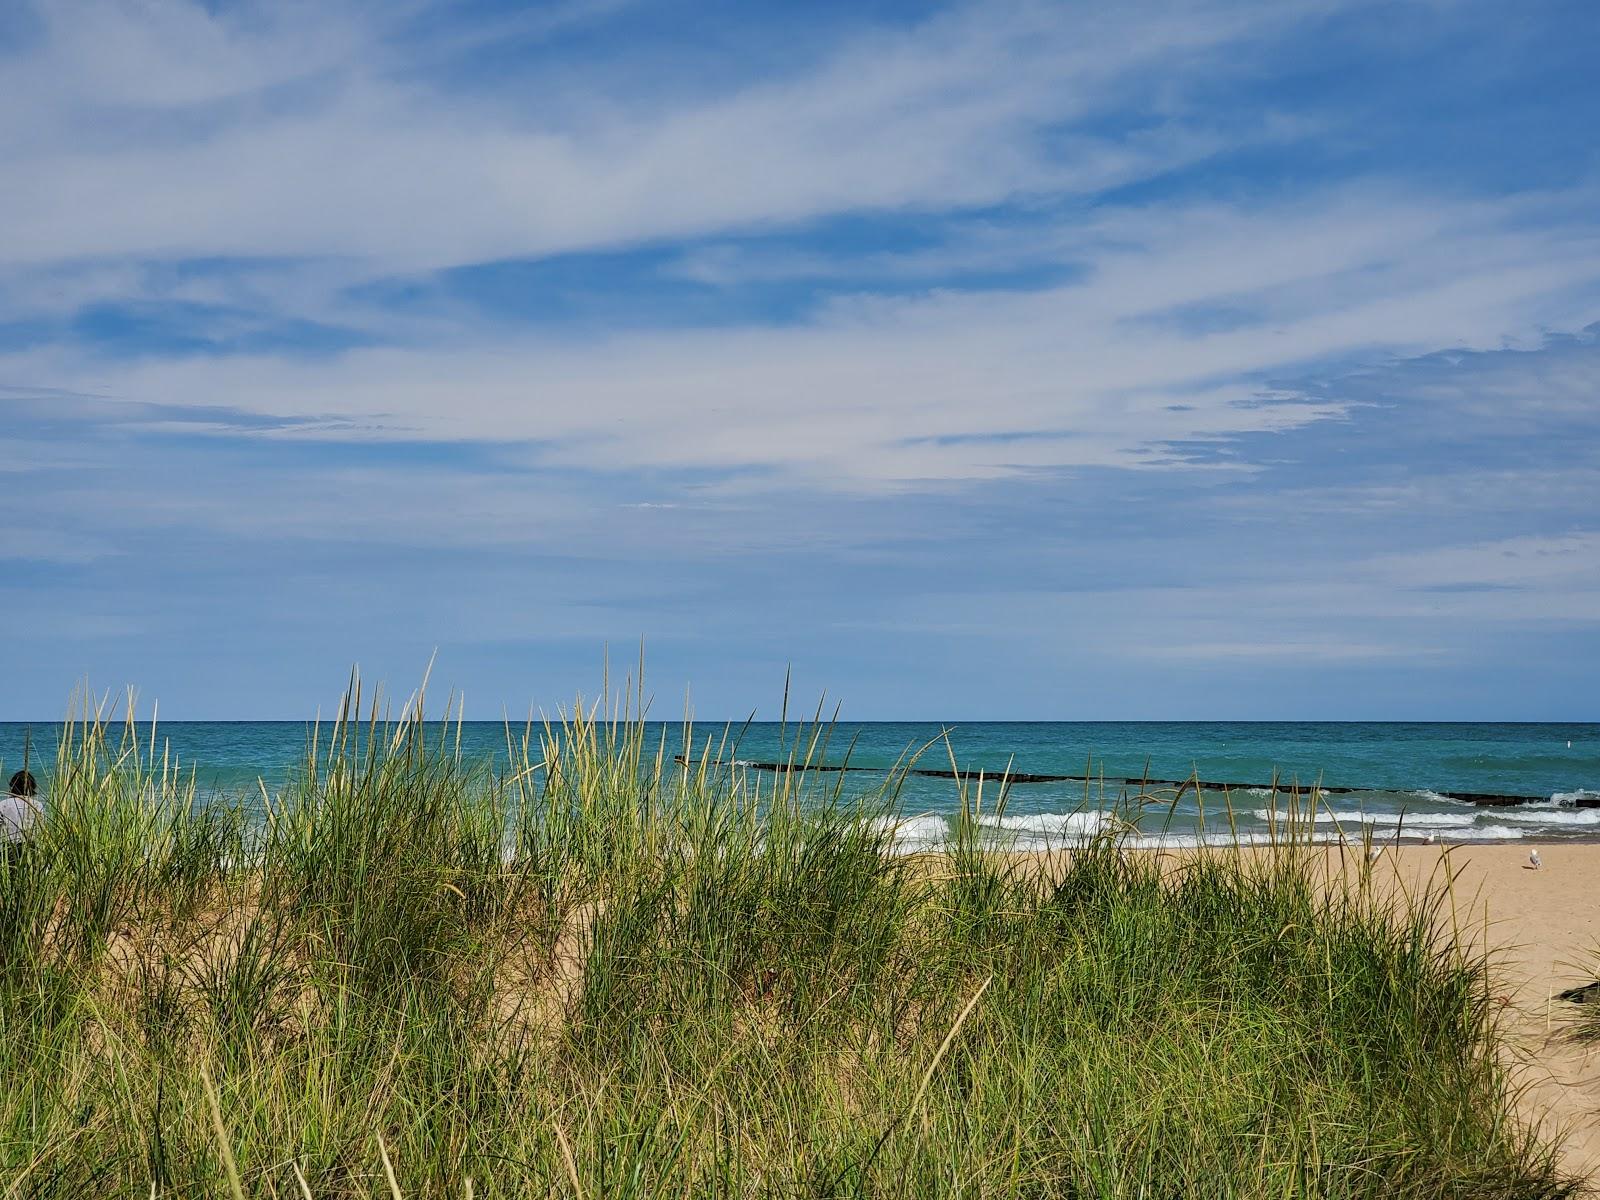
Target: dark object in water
x=1487 y=799
x=1584 y=993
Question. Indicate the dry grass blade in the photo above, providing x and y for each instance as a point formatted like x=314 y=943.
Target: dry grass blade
x=388 y=1170
x=944 y=1046
x=927 y=1076
x=221 y=1130
x=571 y=1163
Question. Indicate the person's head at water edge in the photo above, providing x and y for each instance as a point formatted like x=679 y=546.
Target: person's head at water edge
x=18 y=807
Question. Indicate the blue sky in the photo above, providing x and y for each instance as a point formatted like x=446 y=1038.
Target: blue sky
x=1219 y=359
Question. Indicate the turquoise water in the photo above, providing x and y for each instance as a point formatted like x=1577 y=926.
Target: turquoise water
x=1402 y=766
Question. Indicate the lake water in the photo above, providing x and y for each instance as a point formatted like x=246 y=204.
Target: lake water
x=1402 y=769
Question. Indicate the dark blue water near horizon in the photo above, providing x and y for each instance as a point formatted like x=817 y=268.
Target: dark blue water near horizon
x=1402 y=766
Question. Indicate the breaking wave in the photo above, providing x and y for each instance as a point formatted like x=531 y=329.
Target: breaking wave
x=1074 y=823
x=1559 y=817
x=1572 y=798
x=1410 y=820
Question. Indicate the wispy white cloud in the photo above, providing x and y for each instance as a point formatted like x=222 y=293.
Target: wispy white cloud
x=52 y=545
x=1542 y=562
x=285 y=140
x=1295 y=654
x=170 y=131
x=897 y=391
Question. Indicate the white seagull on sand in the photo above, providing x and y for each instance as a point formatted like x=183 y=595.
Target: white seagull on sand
x=1533 y=860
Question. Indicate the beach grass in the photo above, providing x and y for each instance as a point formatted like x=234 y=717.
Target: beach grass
x=593 y=971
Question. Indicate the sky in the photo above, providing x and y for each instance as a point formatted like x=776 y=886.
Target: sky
x=1220 y=359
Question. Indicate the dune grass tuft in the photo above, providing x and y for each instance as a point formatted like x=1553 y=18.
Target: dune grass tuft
x=593 y=971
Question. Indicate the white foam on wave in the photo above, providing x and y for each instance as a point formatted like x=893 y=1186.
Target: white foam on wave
x=908 y=835
x=1423 y=820
x=1552 y=815
x=1433 y=797
x=1054 y=831
x=1078 y=823
x=1046 y=831
x=1486 y=833
x=1410 y=820
x=1223 y=838
x=1571 y=798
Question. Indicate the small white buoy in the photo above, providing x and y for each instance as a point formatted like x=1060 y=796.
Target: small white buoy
x=1533 y=860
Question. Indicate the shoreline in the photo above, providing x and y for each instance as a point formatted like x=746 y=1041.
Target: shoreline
x=1005 y=841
